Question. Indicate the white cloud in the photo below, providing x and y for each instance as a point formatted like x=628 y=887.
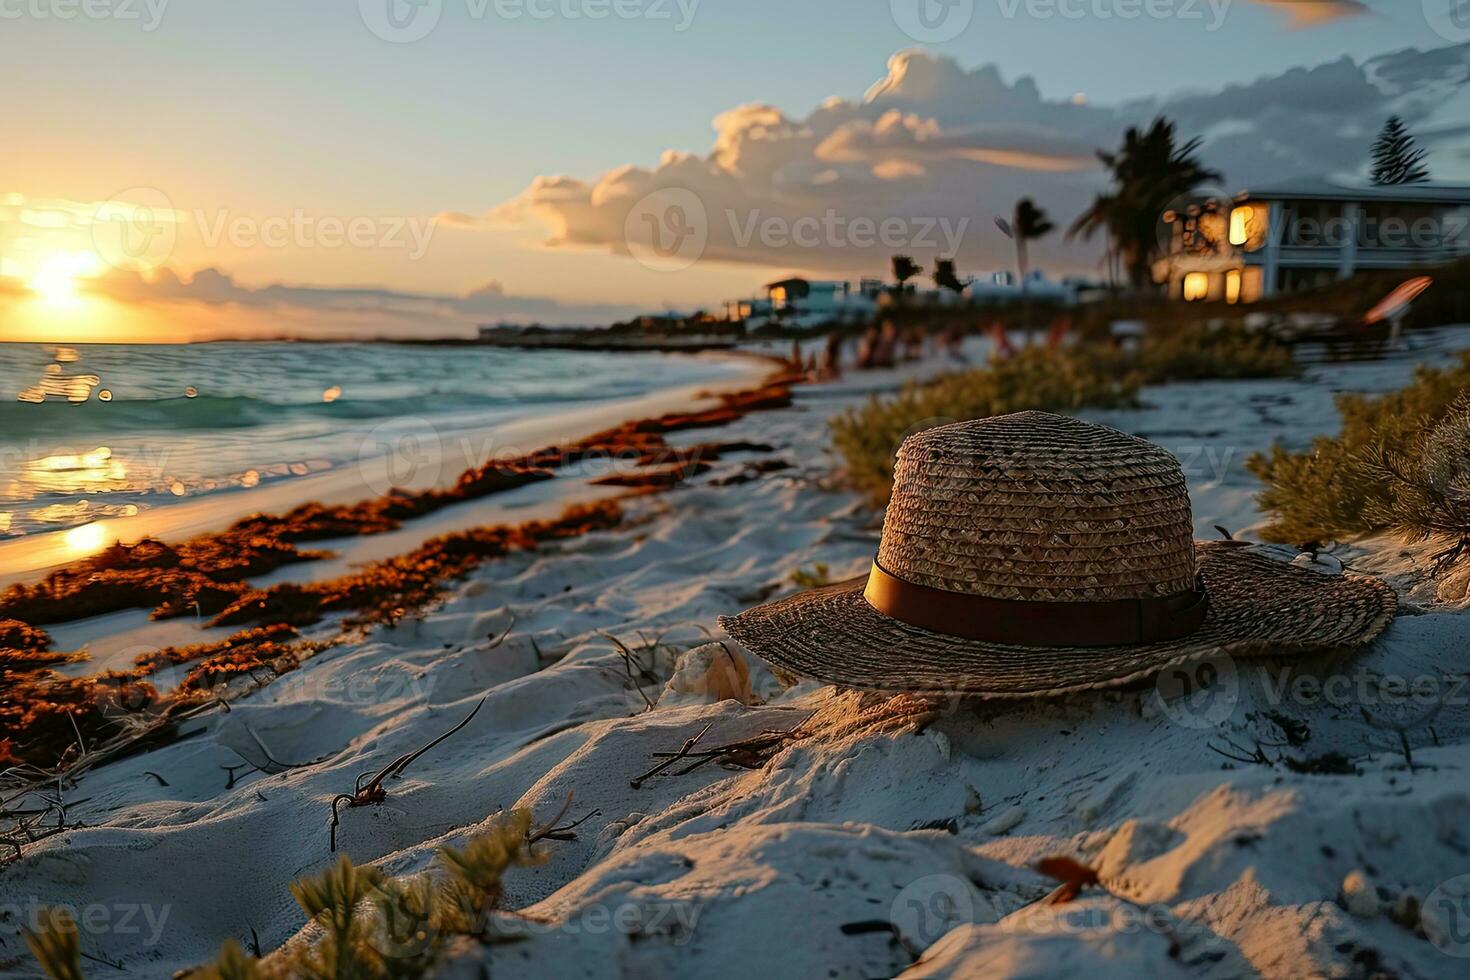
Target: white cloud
x=931 y=140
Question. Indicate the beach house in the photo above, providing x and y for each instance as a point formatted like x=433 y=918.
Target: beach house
x=801 y=302
x=1306 y=233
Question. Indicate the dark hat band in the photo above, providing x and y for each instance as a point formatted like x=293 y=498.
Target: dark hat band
x=1020 y=622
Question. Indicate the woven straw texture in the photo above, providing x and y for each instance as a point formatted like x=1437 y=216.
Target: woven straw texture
x=1041 y=507
x=1035 y=506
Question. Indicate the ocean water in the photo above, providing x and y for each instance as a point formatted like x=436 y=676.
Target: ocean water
x=101 y=431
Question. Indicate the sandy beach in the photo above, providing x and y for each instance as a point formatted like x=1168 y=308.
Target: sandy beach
x=888 y=836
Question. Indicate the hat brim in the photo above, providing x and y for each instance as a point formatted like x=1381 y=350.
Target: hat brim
x=1258 y=606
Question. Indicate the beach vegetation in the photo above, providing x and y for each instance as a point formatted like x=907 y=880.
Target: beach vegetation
x=56 y=944
x=369 y=925
x=366 y=925
x=1427 y=484
x=1044 y=379
x=1392 y=465
x=819 y=577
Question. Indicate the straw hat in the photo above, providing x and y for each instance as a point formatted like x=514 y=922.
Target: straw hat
x=1032 y=554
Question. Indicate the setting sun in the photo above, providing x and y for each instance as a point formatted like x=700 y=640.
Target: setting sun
x=55 y=279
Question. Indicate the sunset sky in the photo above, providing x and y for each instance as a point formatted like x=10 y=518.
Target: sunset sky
x=328 y=180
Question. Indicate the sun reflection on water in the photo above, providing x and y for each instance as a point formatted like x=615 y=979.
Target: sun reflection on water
x=86 y=539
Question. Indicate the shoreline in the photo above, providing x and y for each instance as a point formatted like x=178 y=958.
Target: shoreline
x=31 y=557
x=245 y=577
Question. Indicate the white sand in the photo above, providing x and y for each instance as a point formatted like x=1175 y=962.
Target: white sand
x=1209 y=867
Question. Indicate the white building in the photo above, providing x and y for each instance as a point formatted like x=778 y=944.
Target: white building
x=804 y=303
x=1005 y=287
x=1306 y=233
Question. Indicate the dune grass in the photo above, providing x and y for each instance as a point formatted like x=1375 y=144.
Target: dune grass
x=1399 y=462
x=368 y=926
x=1040 y=379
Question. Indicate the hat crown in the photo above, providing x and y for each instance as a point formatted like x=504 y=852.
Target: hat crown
x=1041 y=507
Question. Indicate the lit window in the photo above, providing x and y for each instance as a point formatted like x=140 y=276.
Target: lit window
x=1232 y=286
x=1196 y=286
x=1240 y=225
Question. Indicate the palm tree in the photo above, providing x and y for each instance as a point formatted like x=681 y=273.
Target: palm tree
x=1027 y=224
x=945 y=276
x=1150 y=172
x=904 y=269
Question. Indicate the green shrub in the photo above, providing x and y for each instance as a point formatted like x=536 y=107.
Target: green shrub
x=1037 y=378
x=868 y=437
x=1346 y=485
x=56 y=944
x=1230 y=353
x=818 y=578
x=1427 y=488
x=371 y=927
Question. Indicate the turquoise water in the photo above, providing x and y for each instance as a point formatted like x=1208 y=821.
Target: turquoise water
x=97 y=431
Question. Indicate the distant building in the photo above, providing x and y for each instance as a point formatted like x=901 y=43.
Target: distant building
x=804 y=303
x=807 y=303
x=1307 y=233
x=1005 y=287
